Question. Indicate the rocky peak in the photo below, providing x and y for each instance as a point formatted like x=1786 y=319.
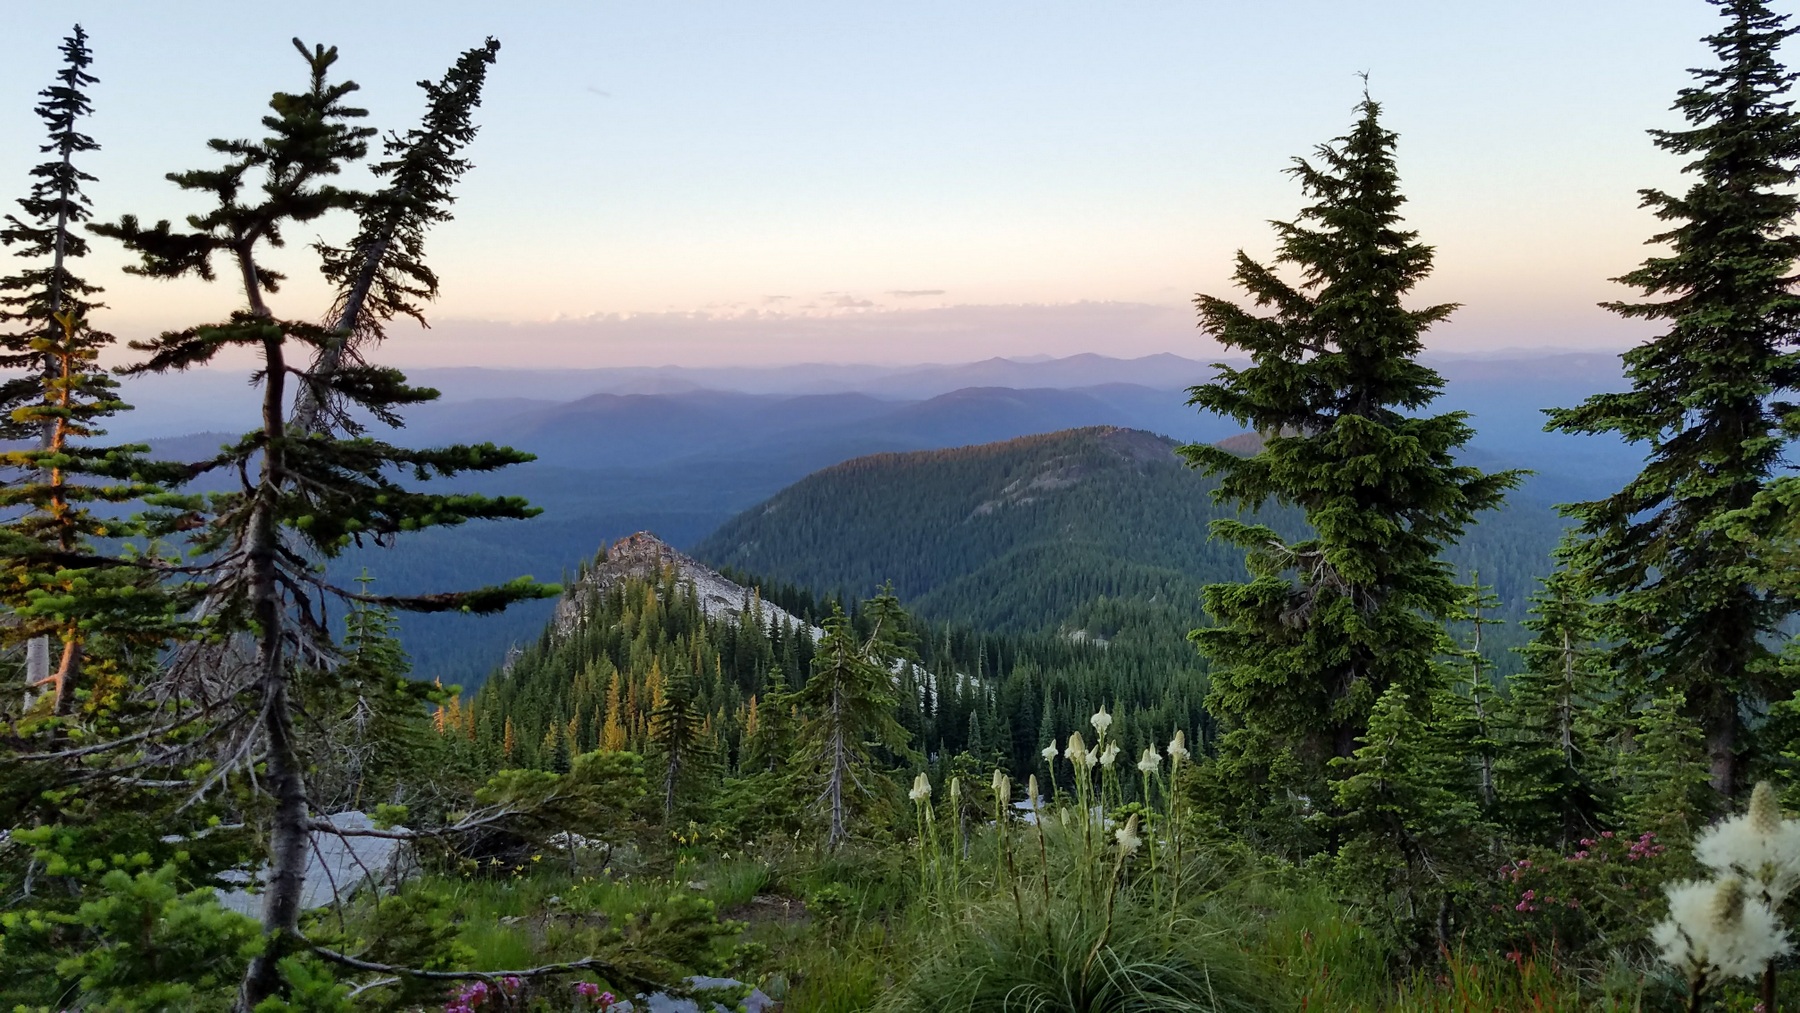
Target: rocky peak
x=643 y=555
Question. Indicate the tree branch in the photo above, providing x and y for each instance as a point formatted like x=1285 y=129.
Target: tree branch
x=607 y=968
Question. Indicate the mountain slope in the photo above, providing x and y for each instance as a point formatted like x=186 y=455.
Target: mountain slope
x=1043 y=532
x=1009 y=535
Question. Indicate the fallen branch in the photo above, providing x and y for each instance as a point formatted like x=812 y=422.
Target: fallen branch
x=611 y=971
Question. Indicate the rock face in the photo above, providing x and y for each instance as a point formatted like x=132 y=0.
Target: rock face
x=645 y=555
x=338 y=866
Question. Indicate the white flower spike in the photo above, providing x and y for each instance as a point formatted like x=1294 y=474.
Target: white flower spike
x=1077 y=751
x=1759 y=846
x=921 y=789
x=1716 y=930
x=1111 y=754
x=1050 y=751
x=1127 y=836
x=1149 y=763
x=1178 y=750
x=1101 y=722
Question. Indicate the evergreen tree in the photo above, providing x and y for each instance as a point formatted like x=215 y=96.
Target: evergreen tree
x=1330 y=623
x=1685 y=603
x=304 y=494
x=1665 y=777
x=1413 y=837
x=102 y=612
x=847 y=706
x=381 y=273
x=47 y=235
x=1479 y=605
x=675 y=731
x=1545 y=779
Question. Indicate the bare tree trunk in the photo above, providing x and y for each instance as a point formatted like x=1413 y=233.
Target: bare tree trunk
x=290 y=837
x=68 y=674
x=839 y=767
x=309 y=401
x=1721 y=746
x=37 y=649
x=37 y=668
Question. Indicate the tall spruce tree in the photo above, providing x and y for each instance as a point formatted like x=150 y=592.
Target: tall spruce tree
x=47 y=235
x=304 y=494
x=1332 y=622
x=1685 y=602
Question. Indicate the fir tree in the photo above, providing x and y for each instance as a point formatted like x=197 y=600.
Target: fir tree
x=304 y=494
x=846 y=706
x=1330 y=623
x=1545 y=779
x=1412 y=830
x=675 y=731
x=382 y=273
x=1479 y=605
x=48 y=236
x=1665 y=776
x=1685 y=603
x=101 y=611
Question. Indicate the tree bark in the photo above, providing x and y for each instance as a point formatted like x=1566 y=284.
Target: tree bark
x=290 y=837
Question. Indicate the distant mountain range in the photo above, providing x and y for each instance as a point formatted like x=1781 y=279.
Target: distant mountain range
x=680 y=451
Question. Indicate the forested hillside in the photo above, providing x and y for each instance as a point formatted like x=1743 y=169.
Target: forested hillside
x=1034 y=534
x=637 y=628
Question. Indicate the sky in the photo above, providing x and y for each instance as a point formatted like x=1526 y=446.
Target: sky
x=721 y=183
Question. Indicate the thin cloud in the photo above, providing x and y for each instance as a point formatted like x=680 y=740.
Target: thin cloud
x=913 y=293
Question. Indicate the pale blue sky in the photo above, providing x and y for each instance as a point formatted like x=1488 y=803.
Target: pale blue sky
x=809 y=158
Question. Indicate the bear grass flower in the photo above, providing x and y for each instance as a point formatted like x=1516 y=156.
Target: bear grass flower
x=1760 y=846
x=1149 y=763
x=1050 y=751
x=1002 y=786
x=1101 y=722
x=1716 y=930
x=1111 y=754
x=1077 y=751
x=1178 y=750
x=921 y=789
x=1127 y=836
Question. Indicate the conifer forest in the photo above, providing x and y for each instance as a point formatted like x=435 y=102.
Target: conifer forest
x=1324 y=716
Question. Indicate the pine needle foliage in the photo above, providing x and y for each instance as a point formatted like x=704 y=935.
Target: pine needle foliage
x=1330 y=622
x=1688 y=606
